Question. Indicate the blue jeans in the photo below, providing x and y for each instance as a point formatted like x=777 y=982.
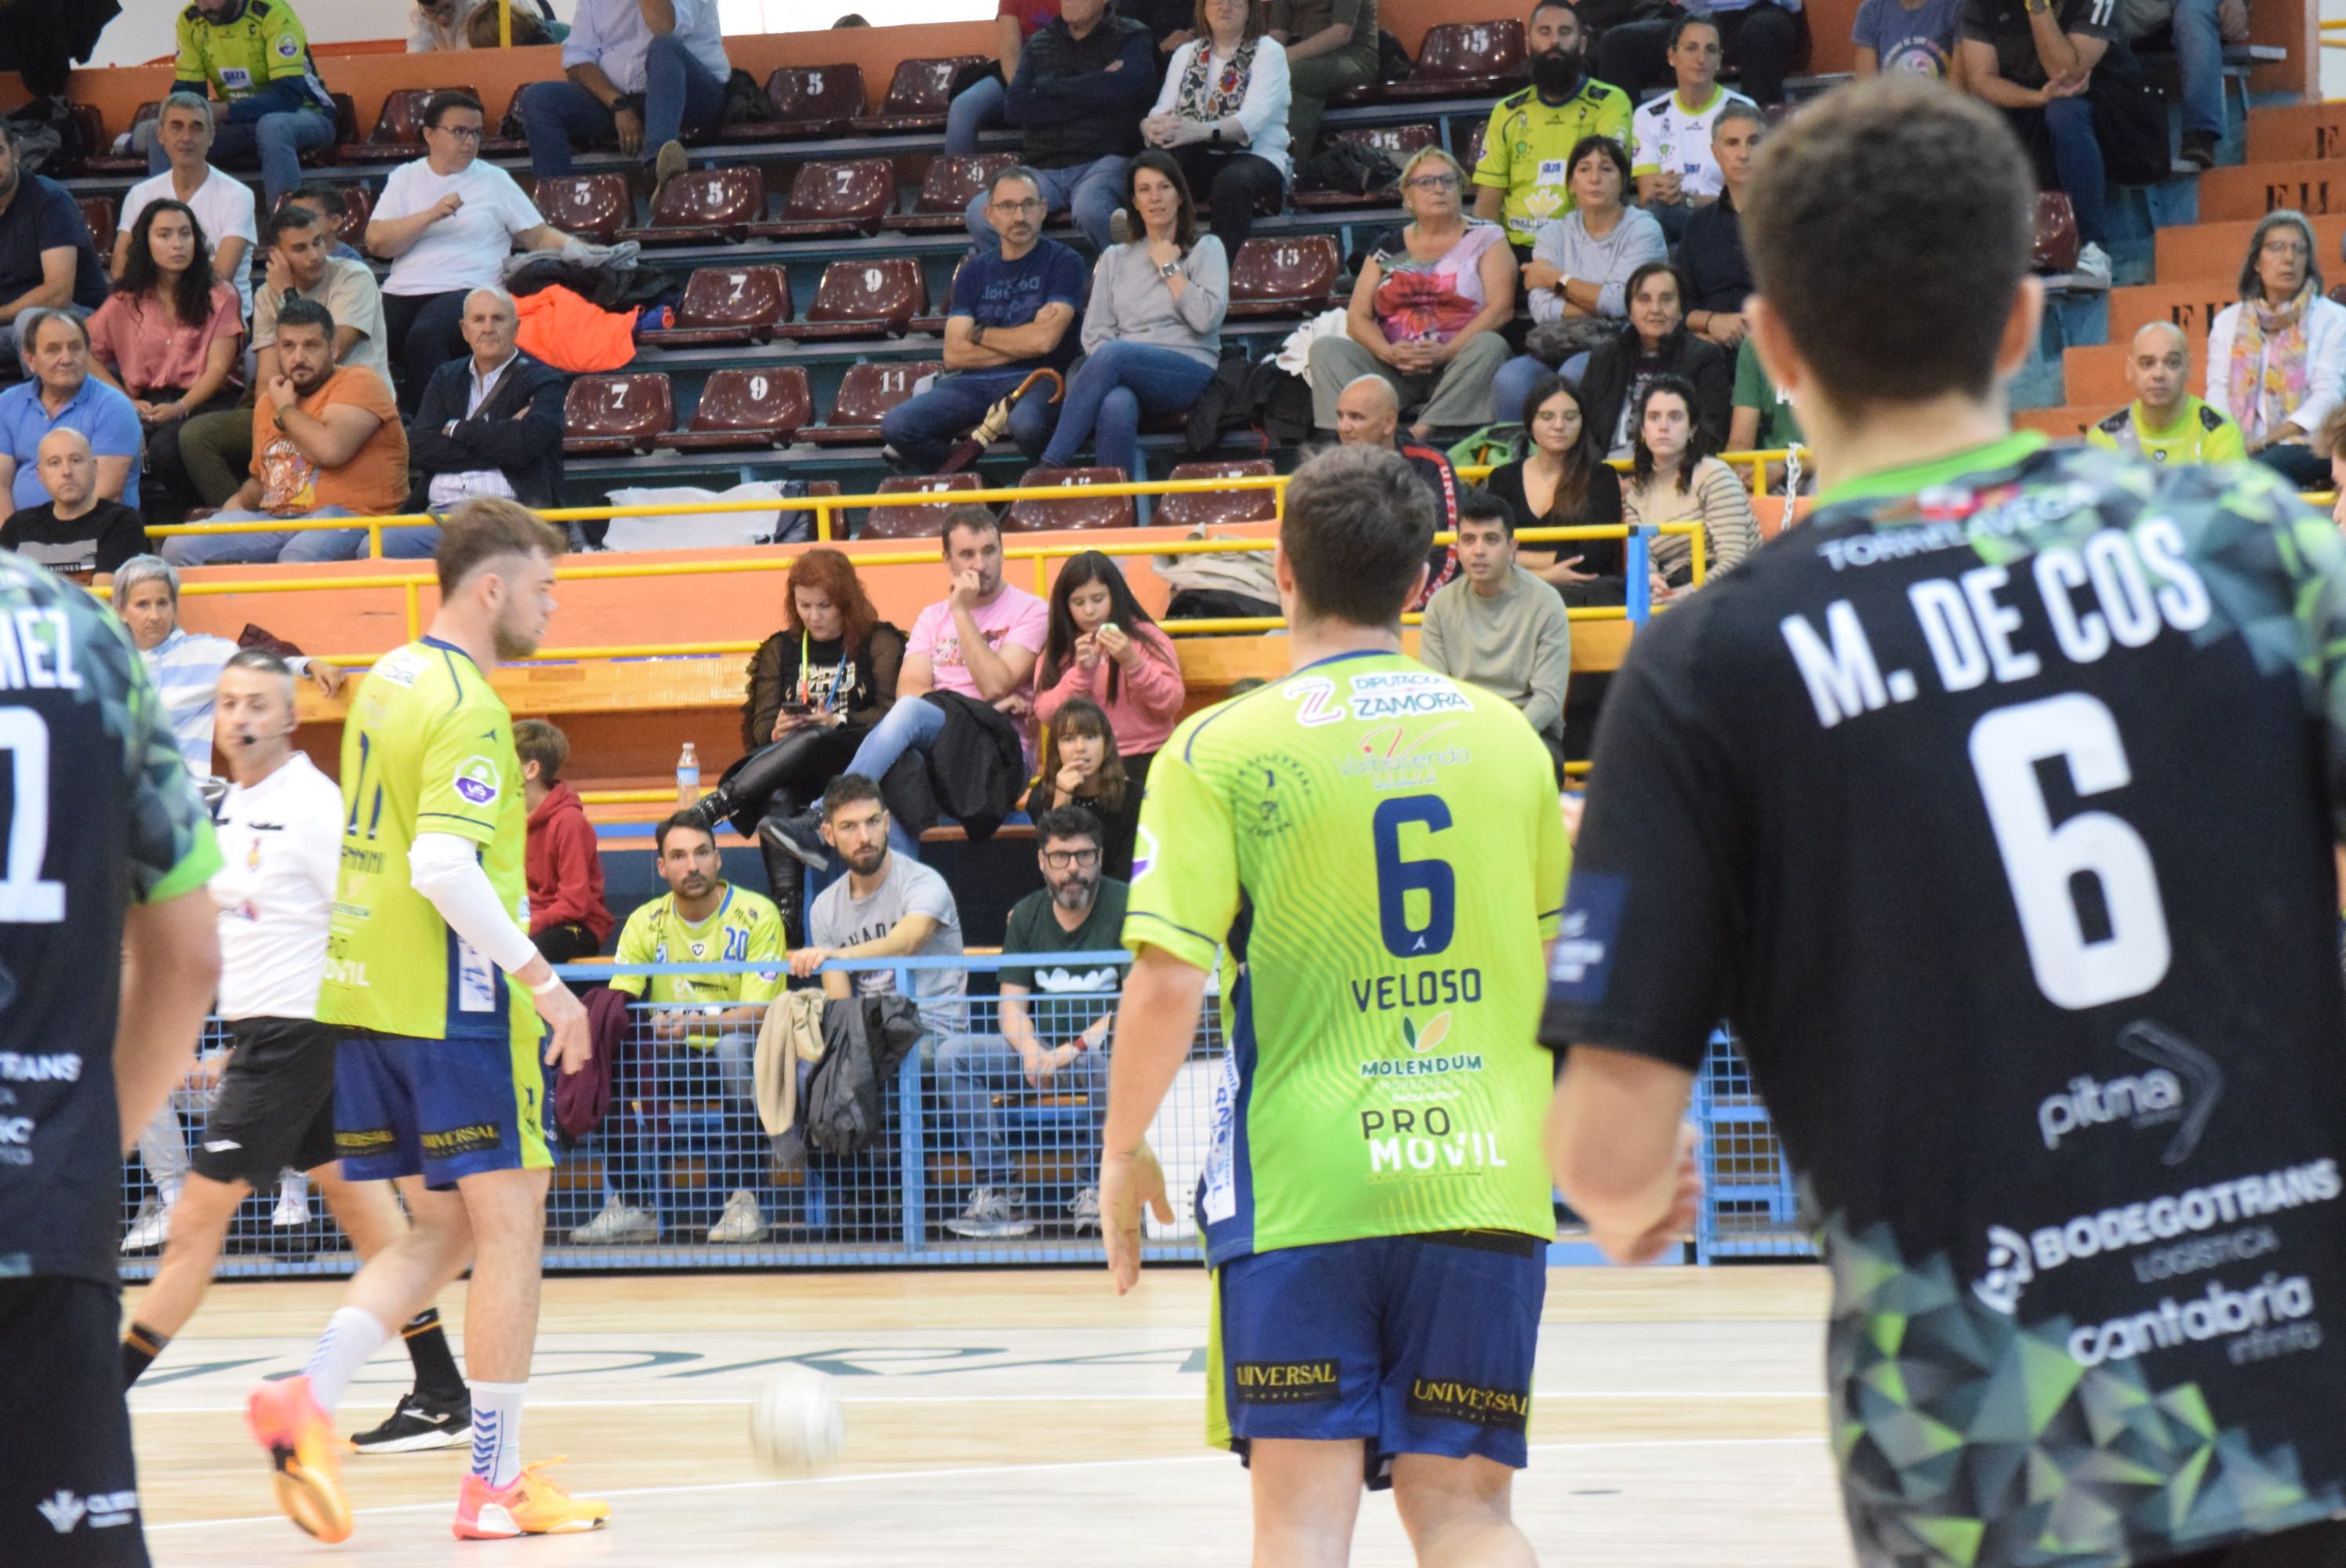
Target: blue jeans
x=925 y=429
x=245 y=549
x=976 y=1067
x=978 y=106
x=281 y=138
x=415 y=544
x=679 y=95
x=2077 y=159
x=1512 y=385
x=909 y=725
x=638 y=1147
x=2200 y=52
x=1092 y=191
x=1108 y=393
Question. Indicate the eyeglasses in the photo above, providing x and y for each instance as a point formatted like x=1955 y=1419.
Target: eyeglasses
x=462 y=133
x=1435 y=182
x=2284 y=245
x=1060 y=860
x=1029 y=205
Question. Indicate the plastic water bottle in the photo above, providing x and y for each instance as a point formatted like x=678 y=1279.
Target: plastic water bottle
x=688 y=776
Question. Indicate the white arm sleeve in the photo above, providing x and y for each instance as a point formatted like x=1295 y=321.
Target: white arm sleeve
x=446 y=869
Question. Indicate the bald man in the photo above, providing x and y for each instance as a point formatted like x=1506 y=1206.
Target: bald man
x=2165 y=422
x=1368 y=414
x=77 y=531
x=489 y=423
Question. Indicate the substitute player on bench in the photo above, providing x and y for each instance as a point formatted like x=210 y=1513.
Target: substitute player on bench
x=1995 y=808
x=431 y=977
x=1380 y=846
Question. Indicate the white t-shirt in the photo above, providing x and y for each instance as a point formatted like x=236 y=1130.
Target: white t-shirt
x=222 y=204
x=1663 y=137
x=281 y=844
x=466 y=249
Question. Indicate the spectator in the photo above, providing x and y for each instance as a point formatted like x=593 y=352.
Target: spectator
x=2199 y=30
x=981 y=641
x=1563 y=481
x=48 y=260
x=702 y=1037
x=1718 y=277
x=1368 y=414
x=1222 y=112
x=2277 y=360
x=568 y=919
x=442 y=24
x=221 y=202
x=1055 y=1021
x=446 y=222
x=186 y=664
x=1499 y=626
x=1654 y=343
x=1531 y=141
x=1153 y=331
x=1080 y=766
x=529 y=29
x=1083 y=82
x=642 y=72
x=1331 y=45
x=490 y=423
x=1579 y=270
x=1761 y=39
x=1670 y=137
x=62 y=395
x=2038 y=61
x=254 y=54
x=817 y=688
x=326 y=442
x=2333 y=437
x=333 y=215
x=978 y=106
x=1763 y=417
x=886 y=906
x=78 y=531
x=1015 y=310
x=1426 y=310
x=1906 y=37
x=168 y=336
x=2165 y=422
x=1673 y=478
x=1102 y=647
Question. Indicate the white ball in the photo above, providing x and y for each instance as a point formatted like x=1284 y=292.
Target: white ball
x=797 y=1424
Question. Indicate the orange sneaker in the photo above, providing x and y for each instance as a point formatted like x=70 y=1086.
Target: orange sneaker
x=532 y=1505
x=286 y=1420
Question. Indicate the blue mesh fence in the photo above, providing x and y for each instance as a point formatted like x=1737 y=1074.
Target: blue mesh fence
x=1748 y=1210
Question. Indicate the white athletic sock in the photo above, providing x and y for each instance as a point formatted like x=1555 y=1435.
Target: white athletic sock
x=352 y=1337
x=496 y=1433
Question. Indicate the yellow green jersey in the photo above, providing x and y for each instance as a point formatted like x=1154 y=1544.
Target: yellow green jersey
x=1527 y=143
x=262 y=44
x=2199 y=434
x=1380 y=846
x=744 y=928
x=428 y=747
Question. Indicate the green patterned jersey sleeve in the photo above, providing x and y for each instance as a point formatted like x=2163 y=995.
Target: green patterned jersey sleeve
x=1185 y=874
x=171 y=849
x=765 y=942
x=2313 y=554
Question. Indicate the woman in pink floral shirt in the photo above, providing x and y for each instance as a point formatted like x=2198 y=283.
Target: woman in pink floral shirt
x=168 y=336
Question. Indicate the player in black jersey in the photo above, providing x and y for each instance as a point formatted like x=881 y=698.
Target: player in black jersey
x=108 y=960
x=1993 y=807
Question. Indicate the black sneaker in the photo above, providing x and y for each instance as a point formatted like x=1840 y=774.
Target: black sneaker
x=2199 y=148
x=711 y=810
x=801 y=835
x=419 y=1422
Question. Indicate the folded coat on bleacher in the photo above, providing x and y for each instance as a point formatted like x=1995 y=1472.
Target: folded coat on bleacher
x=571 y=334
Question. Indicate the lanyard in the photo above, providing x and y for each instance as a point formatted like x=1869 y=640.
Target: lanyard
x=838 y=675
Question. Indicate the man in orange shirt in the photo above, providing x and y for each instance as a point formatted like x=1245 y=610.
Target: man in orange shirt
x=326 y=442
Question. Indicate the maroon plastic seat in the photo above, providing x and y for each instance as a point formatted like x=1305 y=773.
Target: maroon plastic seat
x=875 y=298
x=747 y=408
x=2054 y=246
x=1201 y=508
x=1471 y=154
x=1293 y=274
x=913 y=522
x=595 y=206
x=934 y=324
x=808 y=101
x=726 y=306
x=97 y=212
x=92 y=127
x=104 y=160
x=866 y=393
x=358 y=210
x=1078 y=510
x=704 y=206
x=834 y=200
x=495 y=143
x=918 y=95
x=1463 y=59
x=942 y=205
x=1396 y=142
x=605 y=414
x=398 y=134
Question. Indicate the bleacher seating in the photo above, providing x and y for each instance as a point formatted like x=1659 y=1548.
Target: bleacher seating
x=97 y=213
x=1396 y=142
x=1457 y=60
x=591 y=206
x=808 y=101
x=108 y=161
x=833 y=200
x=1077 y=510
x=398 y=134
x=918 y=95
x=2056 y=243
x=726 y=306
x=1203 y=508
x=606 y=415
x=941 y=205
x=358 y=208
x=741 y=409
x=495 y=143
x=865 y=394
x=913 y=522
x=704 y=206
x=1284 y=276
x=875 y=298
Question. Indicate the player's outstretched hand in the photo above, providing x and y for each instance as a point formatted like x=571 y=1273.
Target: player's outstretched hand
x=1127 y=1182
x=571 y=1047
x=1685 y=1202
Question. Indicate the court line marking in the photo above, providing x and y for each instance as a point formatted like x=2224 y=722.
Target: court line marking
x=948 y=1399
x=988 y=1470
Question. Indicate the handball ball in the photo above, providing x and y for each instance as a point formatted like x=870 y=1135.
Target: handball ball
x=797 y=1424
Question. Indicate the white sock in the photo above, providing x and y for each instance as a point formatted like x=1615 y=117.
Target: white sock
x=293 y=1185
x=351 y=1337
x=496 y=1433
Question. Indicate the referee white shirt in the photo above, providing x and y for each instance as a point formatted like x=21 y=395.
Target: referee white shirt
x=281 y=845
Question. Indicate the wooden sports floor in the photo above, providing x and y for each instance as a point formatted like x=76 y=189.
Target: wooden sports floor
x=1021 y=1418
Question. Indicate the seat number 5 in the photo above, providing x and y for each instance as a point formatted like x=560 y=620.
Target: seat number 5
x=2043 y=862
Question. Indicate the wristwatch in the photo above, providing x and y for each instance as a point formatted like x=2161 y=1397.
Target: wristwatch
x=1168 y=270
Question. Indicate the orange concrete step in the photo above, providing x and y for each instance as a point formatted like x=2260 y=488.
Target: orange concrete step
x=2251 y=190
x=2066 y=424
x=2298 y=131
x=2190 y=306
x=2212 y=252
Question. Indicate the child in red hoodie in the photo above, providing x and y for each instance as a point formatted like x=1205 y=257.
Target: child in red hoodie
x=568 y=917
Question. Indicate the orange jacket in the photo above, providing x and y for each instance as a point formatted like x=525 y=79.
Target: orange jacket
x=570 y=334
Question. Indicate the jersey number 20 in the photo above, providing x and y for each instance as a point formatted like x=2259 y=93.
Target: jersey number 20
x=2042 y=862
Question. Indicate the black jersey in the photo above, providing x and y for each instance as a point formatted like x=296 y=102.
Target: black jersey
x=99 y=811
x=1993 y=807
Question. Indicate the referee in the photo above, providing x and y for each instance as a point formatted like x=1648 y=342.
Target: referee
x=280 y=840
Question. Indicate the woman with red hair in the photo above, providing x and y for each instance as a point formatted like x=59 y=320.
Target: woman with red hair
x=816 y=687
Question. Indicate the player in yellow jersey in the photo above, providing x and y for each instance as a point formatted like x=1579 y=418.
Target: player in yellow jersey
x=441 y=1002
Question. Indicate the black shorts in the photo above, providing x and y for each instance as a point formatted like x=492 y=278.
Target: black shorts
x=275 y=1108
x=2309 y=1546
x=68 y=1485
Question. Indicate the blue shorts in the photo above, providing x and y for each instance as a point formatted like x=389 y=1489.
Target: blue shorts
x=441 y=1109
x=1408 y=1344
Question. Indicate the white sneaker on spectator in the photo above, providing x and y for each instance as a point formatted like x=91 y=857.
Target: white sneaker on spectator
x=741 y=1222
x=148 y=1227
x=2093 y=269
x=1085 y=1210
x=991 y=1216
x=618 y=1224
x=292 y=1201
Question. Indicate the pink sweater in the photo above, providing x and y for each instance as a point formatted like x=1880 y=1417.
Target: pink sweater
x=1147 y=694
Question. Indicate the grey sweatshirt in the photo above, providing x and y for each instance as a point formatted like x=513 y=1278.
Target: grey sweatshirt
x=1564 y=243
x=1130 y=303
x=1517 y=644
